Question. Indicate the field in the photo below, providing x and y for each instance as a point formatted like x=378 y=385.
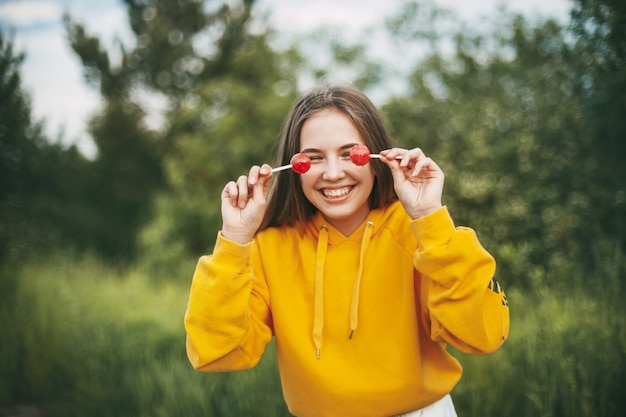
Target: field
x=83 y=339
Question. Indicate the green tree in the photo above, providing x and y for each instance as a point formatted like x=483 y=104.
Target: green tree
x=38 y=178
x=167 y=60
x=600 y=50
x=19 y=139
x=507 y=116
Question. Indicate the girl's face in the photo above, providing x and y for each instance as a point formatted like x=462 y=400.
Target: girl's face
x=338 y=188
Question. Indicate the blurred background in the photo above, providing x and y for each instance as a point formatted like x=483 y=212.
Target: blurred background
x=120 y=122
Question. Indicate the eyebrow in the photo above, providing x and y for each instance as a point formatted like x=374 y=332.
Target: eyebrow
x=342 y=148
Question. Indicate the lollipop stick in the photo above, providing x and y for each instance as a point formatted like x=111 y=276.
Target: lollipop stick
x=300 y=163
x=282 y=168
x=377 y=156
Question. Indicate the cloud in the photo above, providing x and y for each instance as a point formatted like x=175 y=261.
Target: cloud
x=30 y=12
x=51 y=72
x=479 y=9
x=302 y=16
x=53 y=77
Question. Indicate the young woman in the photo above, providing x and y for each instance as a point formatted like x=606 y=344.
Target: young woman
x=357 y=271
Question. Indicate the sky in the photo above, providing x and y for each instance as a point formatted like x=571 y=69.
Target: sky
x=52 y=74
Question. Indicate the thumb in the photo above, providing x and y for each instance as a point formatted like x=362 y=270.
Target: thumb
x=397 y=172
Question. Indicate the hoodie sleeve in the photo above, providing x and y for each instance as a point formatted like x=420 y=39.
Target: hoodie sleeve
x=228 y=320
x=465 y=305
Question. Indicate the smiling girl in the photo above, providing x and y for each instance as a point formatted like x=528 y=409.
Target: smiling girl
x=358 y=272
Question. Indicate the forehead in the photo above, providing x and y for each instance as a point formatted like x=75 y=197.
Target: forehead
x=329 y=129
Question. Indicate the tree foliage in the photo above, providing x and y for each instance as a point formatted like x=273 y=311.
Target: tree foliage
x=37 y=177
x=600 y=48
x=527 y=158
x=167 y=59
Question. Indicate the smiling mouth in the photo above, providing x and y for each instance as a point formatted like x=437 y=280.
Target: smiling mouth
x=336 y=192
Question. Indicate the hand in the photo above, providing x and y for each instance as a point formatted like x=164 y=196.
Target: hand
x=417 y=179
x=243 y=204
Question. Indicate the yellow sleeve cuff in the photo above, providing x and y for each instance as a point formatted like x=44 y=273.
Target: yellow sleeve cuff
x=434 y=229
x=228 y=250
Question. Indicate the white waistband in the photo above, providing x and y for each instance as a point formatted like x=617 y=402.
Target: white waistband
x=442 y=408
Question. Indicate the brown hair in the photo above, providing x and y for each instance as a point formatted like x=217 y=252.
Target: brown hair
x=287 y=204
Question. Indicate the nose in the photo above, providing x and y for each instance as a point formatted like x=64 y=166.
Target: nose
x=334 y=169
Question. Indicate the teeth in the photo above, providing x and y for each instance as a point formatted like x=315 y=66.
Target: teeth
x=336 y=192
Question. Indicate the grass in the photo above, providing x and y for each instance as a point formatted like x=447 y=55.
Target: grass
x=83 y=339
x=565 y=357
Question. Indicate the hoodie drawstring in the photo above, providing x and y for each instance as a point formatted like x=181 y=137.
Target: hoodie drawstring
x=318 y=313
x=354 y=307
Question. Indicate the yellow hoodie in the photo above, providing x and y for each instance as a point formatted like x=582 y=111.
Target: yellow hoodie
x=361 y=322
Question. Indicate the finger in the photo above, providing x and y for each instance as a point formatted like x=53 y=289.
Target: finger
x=253 y=176
x=242 y=189
x=259 y=190
x=397 y=172
x=404 y=159
x=393 y=154
x=426 y=167
x=230 y=193
x=392 y=157
x=265 y=171
x=412 y=157
x=266 y=177
x=420 y=166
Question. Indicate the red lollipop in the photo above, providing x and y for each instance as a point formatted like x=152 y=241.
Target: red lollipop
x=360 y=155
x=300 y=163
